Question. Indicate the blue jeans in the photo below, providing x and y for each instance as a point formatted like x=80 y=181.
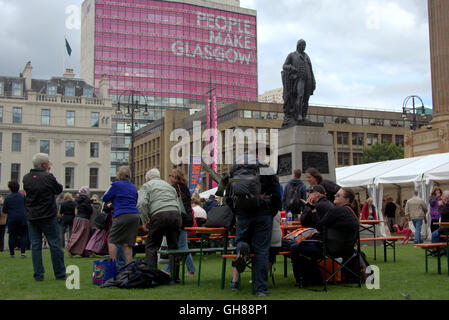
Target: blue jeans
x=120 y=259
x=183 y=245
x=417 y=223
x=256 y=232
x=50 y=228
x=436 y=237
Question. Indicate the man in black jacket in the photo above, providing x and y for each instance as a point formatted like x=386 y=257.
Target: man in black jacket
x=41 y=190
x=317 y=206
x=254 y=211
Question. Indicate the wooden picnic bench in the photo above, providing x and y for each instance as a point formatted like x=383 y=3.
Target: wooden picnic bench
x=430 y=250
x=388 y=242
x=249 y=264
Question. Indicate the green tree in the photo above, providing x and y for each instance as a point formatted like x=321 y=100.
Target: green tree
x=382 y=152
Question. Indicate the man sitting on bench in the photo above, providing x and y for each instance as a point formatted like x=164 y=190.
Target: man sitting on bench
x=341 y=223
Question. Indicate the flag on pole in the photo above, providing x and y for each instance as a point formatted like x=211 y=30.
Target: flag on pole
x=69 y=49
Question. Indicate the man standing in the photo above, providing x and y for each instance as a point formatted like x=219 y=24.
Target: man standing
x=160 y=215
x=253 y=193
x=416 y=209
x=41 y=190
x=299 y=84
x=390 y=213
x=295 y=191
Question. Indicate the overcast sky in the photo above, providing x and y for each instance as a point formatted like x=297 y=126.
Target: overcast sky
x=365 y=53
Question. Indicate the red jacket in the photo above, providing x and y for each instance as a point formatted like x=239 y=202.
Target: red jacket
x=365 y=212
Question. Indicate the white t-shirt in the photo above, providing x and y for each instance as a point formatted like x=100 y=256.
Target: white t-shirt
x=199 y=212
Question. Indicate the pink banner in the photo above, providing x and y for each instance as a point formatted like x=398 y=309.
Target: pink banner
x=215 y=136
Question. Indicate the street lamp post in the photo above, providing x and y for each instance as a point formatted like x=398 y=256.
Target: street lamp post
x=414 y=110
x=132 y=100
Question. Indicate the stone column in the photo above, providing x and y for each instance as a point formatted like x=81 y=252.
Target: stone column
x=435 y=138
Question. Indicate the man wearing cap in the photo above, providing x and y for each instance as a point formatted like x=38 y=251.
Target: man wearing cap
x=304 y=254
x=317 y=205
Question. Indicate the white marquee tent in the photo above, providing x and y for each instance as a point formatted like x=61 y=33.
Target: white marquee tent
x=419 y=173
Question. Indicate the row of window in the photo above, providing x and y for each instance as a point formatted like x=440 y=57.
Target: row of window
x=330 y=119
x=358 y=138
x=69 y=90
x=44 y=146
x=69 y=177
x=17 y=115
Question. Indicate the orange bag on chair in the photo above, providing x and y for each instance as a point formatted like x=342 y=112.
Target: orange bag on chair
x=329 y=269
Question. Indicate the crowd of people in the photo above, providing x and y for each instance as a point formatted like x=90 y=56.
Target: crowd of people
x=165 y=208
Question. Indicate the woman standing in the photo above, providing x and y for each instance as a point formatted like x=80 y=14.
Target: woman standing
x=67 y=212
x=123 y=195
x=81 y=225
x=14 y=207
x=434 y=203
x=313 y=177
x=369 y=210
x=179 y=182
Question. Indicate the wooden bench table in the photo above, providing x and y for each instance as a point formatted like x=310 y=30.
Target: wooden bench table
x=430 y=248
x=388 y=242
x=249 y=264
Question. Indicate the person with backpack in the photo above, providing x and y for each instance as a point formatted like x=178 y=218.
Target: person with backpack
x=253 y=193
x=294 y=192
x=313 y=177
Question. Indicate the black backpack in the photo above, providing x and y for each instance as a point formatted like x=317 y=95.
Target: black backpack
x=137 y=274
x=293 y=199
x=245 y=187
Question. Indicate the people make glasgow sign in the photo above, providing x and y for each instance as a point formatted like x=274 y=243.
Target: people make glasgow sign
x=230 y=40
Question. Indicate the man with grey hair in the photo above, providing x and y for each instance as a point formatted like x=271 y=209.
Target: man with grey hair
x=41 y=190
x=160 y=215
x=415 y=210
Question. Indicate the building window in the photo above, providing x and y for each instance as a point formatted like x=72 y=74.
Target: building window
x=88 y=92
x=1 y=114
x=70 y=148
x=2 y=88
x=51 y=89
x=357 y=139
x=17 y=89
x=15 y=172
x=93 y=178
x=69 y=91
x=45 y=146
x=17 y=115
x=343 y=158
x=95 y=119
x=69 y=178
x=357 y=158
x=45 y=117
x=94 y=149
x=371 y=138
x=16 y=145
x=247 y=114
x=399 y=140
x=70 y=118
x=343 y=138
x=387 y=138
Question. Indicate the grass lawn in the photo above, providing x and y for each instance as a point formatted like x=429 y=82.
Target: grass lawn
x=405 y=276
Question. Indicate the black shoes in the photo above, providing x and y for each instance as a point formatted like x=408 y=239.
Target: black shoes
x=242 y=257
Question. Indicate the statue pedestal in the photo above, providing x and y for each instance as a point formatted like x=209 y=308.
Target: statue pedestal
x=302 y=147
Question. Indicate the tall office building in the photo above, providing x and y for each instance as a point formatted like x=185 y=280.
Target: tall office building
x=171 y=52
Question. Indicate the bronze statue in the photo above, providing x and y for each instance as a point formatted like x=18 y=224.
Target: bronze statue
x=299 y=84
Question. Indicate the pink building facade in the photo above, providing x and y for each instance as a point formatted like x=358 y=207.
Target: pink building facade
x=170 y=51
